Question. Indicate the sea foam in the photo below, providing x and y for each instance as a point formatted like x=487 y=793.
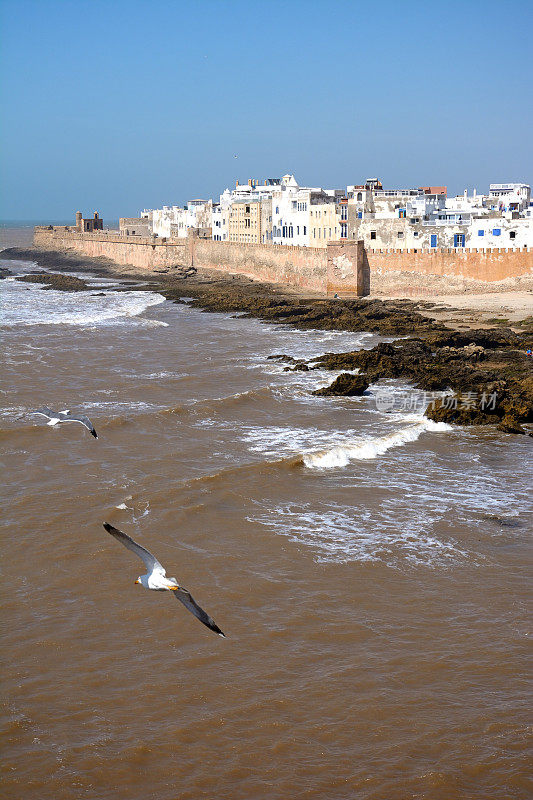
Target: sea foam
x=25 y=304
x=368 y=447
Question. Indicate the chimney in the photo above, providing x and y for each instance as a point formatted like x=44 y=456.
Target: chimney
x=79 y=217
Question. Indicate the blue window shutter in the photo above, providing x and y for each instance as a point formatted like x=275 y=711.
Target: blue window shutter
x=496 y=231
x=433 y=239
x=481 y=233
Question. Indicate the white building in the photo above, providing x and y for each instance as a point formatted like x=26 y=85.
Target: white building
x=295 y=208
x=509 y=196
x=169 y=216
x=220 y=222
x=176 y=220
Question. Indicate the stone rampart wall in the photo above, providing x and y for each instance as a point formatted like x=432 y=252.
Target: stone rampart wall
x=343 y=268
x=139 y=251
x=479 y=265
x=299 y=267
x=307 y=268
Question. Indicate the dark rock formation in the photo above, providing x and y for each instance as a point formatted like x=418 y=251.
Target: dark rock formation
x=63 y=283
x=346 y=385
x=485 y=385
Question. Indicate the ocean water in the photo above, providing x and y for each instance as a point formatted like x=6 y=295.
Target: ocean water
x=370 y=569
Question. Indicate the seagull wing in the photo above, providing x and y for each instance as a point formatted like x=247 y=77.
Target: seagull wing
x=150 y=561
x=79 y=418
x=190 y=603
x=45 y=412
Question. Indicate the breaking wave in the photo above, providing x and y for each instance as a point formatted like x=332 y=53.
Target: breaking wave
x=368 y=448
x=24 y=304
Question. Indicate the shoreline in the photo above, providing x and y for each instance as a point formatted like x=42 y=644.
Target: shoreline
x=461 y=350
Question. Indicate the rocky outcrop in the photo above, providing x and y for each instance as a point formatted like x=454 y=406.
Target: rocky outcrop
x=489 y=383
x=63 y=283
x=346 y=385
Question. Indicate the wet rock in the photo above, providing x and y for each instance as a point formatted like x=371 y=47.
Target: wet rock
x=346 y=385
x=452 y=410
x=510 y=424
x=299 y=366
x=282 y=358
x=485 y=386
x=63 y=283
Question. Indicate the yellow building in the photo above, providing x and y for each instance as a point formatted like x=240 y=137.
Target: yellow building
x=324 y=224
x=245 y=221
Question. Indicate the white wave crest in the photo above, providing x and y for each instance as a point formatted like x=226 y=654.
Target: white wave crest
x=362 y=449
x=24 y=304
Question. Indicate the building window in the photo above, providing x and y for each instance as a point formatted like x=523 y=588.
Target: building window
x=433 y=240
x=402 y=213
x=400 y=234
x=512 y=235
x=359 y=195
x=305 y=230
x=458 y=240
x=344 y=212
x=290 y=232
x=373 y=234
x=277 y=209
x=481 y=233
x=496 y=232
x=247 y=209
x=297 y=230
x=415 y=234
x=359 y=215
x=344 y=230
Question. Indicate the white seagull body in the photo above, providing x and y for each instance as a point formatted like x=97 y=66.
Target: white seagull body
x=56 y=417
x=156 y=579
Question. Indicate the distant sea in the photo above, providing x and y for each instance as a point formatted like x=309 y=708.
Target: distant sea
x=19 y=233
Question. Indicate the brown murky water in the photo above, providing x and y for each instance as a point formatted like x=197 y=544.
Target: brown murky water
x=370 y=572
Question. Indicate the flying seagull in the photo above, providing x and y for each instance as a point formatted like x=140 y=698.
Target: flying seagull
x=56 y=417
x=156 y=578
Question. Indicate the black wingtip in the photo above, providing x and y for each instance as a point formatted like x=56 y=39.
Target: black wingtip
x=93 y=433
x=108 y=527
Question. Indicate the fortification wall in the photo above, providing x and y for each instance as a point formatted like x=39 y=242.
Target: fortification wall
x=343 y=268
x=479 y=265
x=333 y=269
x=300 y=267
x=138 y=251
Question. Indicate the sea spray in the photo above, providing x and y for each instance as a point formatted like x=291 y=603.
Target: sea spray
x=368 y=448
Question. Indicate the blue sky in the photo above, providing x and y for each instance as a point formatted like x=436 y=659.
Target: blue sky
x=118 y=105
